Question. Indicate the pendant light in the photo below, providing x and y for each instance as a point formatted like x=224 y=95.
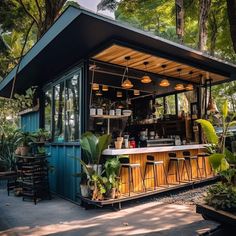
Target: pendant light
x=99 y=92
x=136 y=92
x=189 y=87
x=179 y=86
x=126 y=83
x=95 y=86
x=105 y=88
x=211 y=104
x=146 y=79
x=119 y=94
x=164 y=82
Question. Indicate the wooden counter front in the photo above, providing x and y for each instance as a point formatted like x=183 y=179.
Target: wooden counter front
x=160 y=153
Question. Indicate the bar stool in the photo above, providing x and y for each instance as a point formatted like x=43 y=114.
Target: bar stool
x=125 y=164
x=152 y=163
x=203 y=155
x=176 y=161
x=189 y=159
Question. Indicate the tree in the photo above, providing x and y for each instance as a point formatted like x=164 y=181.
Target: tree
x=203 y=18
x=231 y=7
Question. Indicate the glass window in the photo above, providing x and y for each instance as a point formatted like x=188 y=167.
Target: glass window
x=48 y=110
x=170 y=105
x=72 y=122
x=59 y=114
x=62 y=106
x=159 y=107
x=184 y=101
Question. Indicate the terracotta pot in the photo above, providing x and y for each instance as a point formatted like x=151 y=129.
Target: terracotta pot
x=112 y=193
x=24 y=151
x=84 y=188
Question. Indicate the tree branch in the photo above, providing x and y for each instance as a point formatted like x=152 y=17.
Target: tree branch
x=29 y=14
x=39 y=10
x=21 y=57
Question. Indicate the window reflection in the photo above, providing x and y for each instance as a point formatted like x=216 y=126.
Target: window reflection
x=170 y=105
x=72 y=109
x=48 y=110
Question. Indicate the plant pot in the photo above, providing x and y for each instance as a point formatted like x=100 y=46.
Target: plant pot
x=18 y=151
x=97 y=168
x=24 y=151
x=84 y=188
x=112 y=193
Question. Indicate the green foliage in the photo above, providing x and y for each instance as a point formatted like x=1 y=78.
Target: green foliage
x=25 y=138
x=222 y=196
x=218 y=162
x=112 y=167
x=209 y=131
x=93 y=146
x=9 y=137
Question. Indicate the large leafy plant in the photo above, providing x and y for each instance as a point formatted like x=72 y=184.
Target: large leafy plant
x=220 y=156
x=94 y=145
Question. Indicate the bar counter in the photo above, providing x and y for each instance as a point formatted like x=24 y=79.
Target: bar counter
x=139 y=155
x=115 y=152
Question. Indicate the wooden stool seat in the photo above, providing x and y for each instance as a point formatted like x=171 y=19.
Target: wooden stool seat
x=177 y=159
x=153 y=163
x=125 y=163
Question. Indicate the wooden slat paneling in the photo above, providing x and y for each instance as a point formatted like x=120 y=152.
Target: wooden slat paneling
x=116 y=54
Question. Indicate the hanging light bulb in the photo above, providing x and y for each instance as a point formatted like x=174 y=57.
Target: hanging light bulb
x=146 y=79
x=126 y=83
x=105 y=88
x=95 y=86
x=99 y=92
x=211 y=104
x=136 y=92
x=164 y=82
x=119 y=94
x=179 y=87
x=189 y=87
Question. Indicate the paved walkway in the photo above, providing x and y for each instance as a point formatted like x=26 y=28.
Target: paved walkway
x=60 y=217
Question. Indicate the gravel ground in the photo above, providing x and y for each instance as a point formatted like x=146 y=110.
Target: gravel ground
x=186 y=197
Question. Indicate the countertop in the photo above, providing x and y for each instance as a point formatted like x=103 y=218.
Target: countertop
x=114 y=152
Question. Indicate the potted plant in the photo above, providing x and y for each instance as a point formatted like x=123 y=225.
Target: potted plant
x=91 y=182
x=221 y=196
x=93 y=146
x=42 y=135
x=25 y=139
x=111 y=168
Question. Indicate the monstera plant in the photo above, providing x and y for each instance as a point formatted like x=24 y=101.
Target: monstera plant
x=220 y=157
x=223 y=194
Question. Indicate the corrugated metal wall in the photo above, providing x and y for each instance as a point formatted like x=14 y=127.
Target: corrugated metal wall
x=61 y=158
x=65 y=165
x=30 y=121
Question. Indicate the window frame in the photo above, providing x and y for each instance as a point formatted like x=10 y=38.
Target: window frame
x=62 y=79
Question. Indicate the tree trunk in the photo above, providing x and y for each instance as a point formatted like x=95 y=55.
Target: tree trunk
x=231 y=8
x=179 y=19
x=214 y=29
x=203 y=17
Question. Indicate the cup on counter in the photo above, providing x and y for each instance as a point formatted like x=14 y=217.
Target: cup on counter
x=118 y=144
x=118 y=112
x=112 y=112
x=92 y=111
x=120 y=139
x=100 y=111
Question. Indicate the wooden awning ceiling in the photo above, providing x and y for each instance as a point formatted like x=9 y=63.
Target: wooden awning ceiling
x=115 y=54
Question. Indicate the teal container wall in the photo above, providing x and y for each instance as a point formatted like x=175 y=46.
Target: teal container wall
x=30 y=122
x=62 y=180
x=65 y=165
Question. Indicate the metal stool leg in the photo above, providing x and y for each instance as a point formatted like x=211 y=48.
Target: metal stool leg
x=144 y=186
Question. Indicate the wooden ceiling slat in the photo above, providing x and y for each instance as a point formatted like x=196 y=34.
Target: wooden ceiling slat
x=116 y=54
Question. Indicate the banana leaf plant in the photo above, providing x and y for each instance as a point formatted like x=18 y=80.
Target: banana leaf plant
x=220 y=157
x=93 y=146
